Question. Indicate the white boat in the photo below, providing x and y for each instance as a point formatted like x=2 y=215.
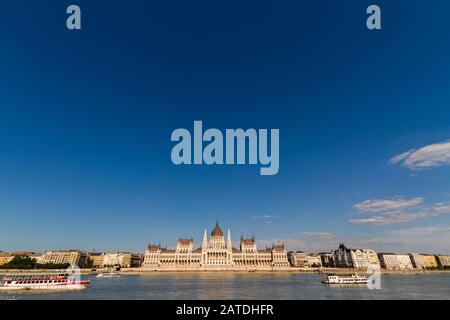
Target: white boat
x=60 y=281
x=345 y=279
x=108 y=275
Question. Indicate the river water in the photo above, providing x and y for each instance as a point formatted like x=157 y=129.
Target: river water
x=247 y=286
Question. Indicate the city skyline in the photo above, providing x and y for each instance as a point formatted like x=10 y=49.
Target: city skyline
x=363 y=119
x=289 y=244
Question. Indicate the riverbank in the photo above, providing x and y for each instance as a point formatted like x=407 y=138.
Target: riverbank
x=138 y=271
x=295 y=271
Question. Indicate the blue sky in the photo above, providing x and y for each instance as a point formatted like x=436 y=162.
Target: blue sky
x=86 y=118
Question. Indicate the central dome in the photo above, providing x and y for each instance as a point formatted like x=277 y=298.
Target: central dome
x=217 y=232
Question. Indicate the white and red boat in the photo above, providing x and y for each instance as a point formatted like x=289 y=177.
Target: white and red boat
x=60 y=281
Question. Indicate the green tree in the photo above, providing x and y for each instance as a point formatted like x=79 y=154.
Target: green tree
x=20 y=262
x=89 y=263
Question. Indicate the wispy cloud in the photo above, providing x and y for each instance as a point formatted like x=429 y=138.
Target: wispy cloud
x=272 y=224
x=422 y=231
x=391 y=218
x=390 y=211
x=393 y=211
x=269 y=220
x=385 y=205
x=441 y=208
x=320 y=235
x=264 y=216
x=433 y=155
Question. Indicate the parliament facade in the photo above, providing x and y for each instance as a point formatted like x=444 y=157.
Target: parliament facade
x=215 y=254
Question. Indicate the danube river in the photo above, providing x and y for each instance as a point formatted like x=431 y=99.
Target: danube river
x=247 y=286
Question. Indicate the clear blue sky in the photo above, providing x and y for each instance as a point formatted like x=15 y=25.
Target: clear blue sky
x=86 y=118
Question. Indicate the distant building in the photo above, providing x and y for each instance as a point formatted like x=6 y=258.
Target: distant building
x=342 y=257
x=5 y=257
x=393 y=261
x=216 y=253
x=327 y=259
x=345 y=257
x=314 y=260
x=365 y=259
x=443 y=261
x=300 y=259
x=297 y=259
x=73 y=257
x=22 y=253
x=96 y=258
x=37 y=257
x=122 y=259
x=430 y=261
x=423 y=261
x=417 y=260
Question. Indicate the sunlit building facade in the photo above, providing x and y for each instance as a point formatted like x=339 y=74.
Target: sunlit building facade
x=215 y=253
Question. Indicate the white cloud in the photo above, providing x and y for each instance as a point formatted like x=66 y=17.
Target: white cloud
x=422 y=232
x=441 y=208
x=385 y=205
x=390 y=211
x=264 y=216
x=391 y=218
x=272 y=224
x=433 y=155
x=269 y=220
x=320 y=235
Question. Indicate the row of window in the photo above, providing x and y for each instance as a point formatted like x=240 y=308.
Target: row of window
x=38 y=281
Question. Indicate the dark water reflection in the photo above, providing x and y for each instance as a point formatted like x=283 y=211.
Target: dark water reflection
x=247 y=286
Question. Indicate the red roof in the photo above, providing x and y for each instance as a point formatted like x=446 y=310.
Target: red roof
x=217 y=232
x=21 y=253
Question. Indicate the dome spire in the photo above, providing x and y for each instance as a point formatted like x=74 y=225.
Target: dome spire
x=217 y=232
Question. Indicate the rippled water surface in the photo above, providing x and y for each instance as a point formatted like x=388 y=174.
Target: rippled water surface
x=247 y=286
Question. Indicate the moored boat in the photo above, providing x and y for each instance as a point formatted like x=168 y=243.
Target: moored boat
x=345 y=279
x=59 y=281
x=108 y=275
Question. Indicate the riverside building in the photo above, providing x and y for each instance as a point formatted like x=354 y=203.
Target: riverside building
x=392 y=261
x=345 y=257
x=121 y=259
x=72 y=257
x=443 y=261
x=300 y=259
x=5 y=257
x=423 y=261
x=215 y=253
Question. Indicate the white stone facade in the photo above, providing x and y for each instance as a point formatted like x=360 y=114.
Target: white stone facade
x=215 y=253
x=355 y=258
x=392 y=261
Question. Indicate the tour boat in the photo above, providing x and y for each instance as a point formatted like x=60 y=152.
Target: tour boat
x=345 y=279
x=108 y=275
x=42 y=282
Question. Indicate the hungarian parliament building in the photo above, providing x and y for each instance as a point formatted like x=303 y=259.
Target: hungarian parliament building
x=215 y=254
